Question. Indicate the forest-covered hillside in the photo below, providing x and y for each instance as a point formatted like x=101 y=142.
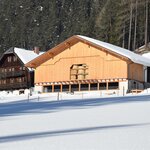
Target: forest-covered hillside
x=45 y=23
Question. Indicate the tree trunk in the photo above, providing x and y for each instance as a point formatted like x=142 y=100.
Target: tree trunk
x=146 y=24
x=123 y=40
x=135 y=25
x=130 y=27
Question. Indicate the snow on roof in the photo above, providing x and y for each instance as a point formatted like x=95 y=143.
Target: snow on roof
x=116 y=49
x=147 y=55
x=26 y=55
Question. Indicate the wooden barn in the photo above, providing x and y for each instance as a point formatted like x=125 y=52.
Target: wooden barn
x=81 y=63
x=14 y=75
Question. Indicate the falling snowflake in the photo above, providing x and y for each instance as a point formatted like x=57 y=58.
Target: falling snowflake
x=40 y=8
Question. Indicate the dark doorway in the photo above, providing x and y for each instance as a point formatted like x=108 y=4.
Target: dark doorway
x=93 y=86
x=57 y=88
x=84 y=87
x=65 y=88
x=74 y=87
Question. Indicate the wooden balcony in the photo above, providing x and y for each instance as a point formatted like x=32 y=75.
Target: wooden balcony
x=11 y=74
x=12 y=86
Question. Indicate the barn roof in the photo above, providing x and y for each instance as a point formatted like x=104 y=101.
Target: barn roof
x=136 y=58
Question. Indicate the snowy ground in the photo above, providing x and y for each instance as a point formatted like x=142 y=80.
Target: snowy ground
x=43 y=122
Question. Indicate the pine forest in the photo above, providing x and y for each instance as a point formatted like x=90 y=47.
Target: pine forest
x=46 y=23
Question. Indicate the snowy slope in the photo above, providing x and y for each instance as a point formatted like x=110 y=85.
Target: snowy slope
x=120 y=123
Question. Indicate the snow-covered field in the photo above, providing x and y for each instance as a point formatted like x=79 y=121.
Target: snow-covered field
x=43 y=122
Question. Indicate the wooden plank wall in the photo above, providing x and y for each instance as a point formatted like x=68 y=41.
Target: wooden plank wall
x=135 y=71
x=101 y=64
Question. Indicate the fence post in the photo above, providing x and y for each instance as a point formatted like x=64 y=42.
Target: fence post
x=58 y=96
x=123 y=90
x=28 y=96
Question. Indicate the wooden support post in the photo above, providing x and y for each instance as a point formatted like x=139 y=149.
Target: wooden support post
x=61 y=88
x=69 y=87
x=58 y=96
x=89 y=86
x=98 y=86
x=52 y=87
x=107 y=86
x=79 y=87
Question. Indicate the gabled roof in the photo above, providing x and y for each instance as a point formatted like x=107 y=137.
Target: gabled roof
x=24 y=55
x=99 y=44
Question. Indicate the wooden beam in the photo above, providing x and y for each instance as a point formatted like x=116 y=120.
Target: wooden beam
x=51 y=54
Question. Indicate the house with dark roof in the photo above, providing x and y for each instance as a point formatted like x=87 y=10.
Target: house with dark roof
x=81 y=63
x=14 y=75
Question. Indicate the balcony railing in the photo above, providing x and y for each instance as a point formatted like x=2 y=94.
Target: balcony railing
x=11 y=74
x=12 y=86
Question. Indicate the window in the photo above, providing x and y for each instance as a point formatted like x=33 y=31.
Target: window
x=9 y=69
x=78 y=72
x=22 y=68
x=15 y=58
x=4 y=81
x=13 y=69
x=84 y=87
x=23 y=79
x=11 y=80
x=48 y=88
x=9 y=58
x=19 y=79
x=113 y=85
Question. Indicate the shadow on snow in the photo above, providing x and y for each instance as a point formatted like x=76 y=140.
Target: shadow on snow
x=24 y=107
x=28 y=136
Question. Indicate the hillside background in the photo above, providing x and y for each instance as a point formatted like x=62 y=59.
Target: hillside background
x=45 y=23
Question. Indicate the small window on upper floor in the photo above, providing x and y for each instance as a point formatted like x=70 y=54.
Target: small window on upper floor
x=15 y=58
x=9 y=58
x=21 y=68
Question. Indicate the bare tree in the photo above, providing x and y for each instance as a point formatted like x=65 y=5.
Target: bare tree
x=146 y=24
x=130 y=27
x=135 y=24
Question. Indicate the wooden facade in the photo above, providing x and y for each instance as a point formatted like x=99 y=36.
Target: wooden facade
x=81 y=65
x=13 y=74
